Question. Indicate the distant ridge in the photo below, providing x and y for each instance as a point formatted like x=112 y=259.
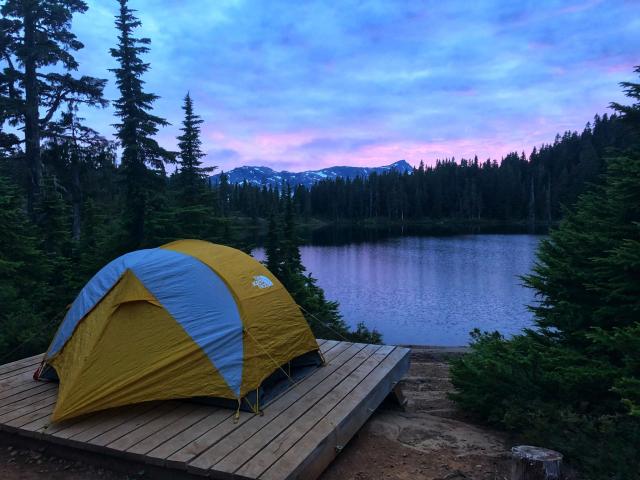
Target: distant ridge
x=268 y=176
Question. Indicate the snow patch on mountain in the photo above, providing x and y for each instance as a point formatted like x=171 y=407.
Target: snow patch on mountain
x=269 y=177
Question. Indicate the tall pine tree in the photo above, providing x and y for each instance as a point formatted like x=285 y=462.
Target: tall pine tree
x=192 y=175
x=194 y=208
x=37 y=44
x=137 y=125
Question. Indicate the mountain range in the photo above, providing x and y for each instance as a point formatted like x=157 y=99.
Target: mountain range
x=269 y=177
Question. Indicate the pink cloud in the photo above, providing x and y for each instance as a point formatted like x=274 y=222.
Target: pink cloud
x=623 y=67
x=290 y=150
x=279 y=150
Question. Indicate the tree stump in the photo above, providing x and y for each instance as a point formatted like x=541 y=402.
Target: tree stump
x=535 y=463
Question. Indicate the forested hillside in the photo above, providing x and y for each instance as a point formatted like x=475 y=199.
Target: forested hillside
x=518 y=188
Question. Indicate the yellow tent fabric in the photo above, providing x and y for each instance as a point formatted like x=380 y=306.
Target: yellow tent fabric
x=189 y=319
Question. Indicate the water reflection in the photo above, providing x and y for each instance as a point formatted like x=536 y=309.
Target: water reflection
x=425 y=289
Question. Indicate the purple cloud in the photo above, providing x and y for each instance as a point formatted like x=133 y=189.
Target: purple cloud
x=303 y=85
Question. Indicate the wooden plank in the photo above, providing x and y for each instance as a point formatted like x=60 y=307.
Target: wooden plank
x=29 y=369
x=268 y=445
x=29 y=400
x=9 y=367
x=47 y=402
x=17 y=380
x=277 y=418
x=161 y=436
x=21 y=378
x=125 y=428
x=214 y=435
x=311 y=455
x=133 y=437
x=41 y=427
x=97 y=423
x=54 y=430
x=328 y=345
x=191 y=434
x=12 y=389
x=44 y=387
x=296 y=438
x=189 y=442
x=334 y=350
x=253 y=440
x=106 y=420
x=33 y=428
x=37 y=427
x=21 y=361
x=29 y=415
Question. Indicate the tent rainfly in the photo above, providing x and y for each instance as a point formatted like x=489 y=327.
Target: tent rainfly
x=190 y=319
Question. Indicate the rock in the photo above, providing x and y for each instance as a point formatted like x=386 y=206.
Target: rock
x=456 y=475
x=535 y=463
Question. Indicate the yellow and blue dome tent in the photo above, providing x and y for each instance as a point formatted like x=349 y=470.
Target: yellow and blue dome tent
x=188 y=319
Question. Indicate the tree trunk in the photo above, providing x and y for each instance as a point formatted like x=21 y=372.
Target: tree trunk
x=534 y=463
x=31 y=115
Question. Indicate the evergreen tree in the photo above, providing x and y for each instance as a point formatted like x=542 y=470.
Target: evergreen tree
x=224 y=196
x=291 y=263
x=194 y=211
x=192 y=176
x=71 y=149
x=574 y=383
x=272 y=247
x=37 y=44
x=137 y=125
x=25 y=275
x=631 y=113
x=284 y=261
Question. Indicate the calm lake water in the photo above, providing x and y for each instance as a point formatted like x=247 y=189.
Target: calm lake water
x=428 y=290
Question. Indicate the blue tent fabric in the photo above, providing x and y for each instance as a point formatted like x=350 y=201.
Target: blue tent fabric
x=189 y=290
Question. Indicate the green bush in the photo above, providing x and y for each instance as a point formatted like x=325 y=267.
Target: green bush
x=573 y=383
x=553 y=396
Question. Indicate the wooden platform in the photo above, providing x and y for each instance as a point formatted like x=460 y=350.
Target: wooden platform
x=299 y=434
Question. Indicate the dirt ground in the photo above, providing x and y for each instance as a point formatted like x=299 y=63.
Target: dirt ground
x=428 y=440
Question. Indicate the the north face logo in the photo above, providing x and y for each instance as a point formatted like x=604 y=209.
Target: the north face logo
x=261 y=281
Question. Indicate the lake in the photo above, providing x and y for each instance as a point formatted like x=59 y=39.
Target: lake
x=428 y=290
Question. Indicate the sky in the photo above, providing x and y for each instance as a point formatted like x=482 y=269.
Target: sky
x=299 y=85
